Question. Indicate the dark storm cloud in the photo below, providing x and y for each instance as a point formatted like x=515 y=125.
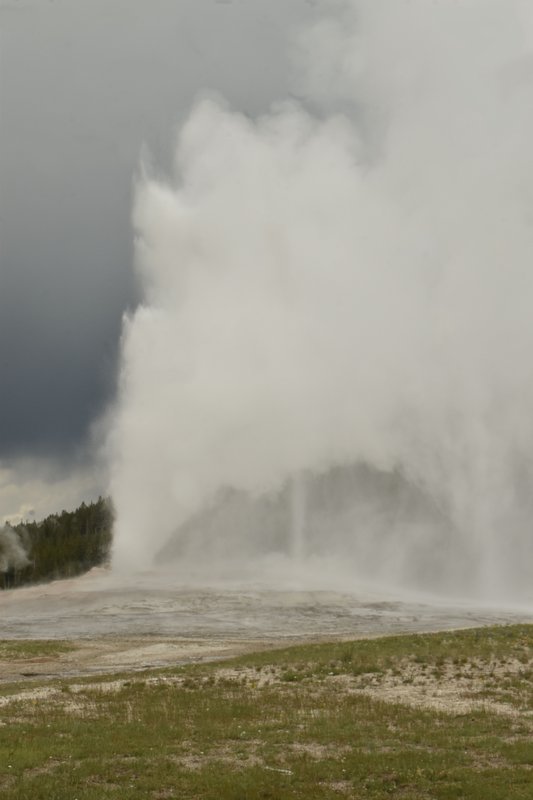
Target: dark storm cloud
x=83 y=85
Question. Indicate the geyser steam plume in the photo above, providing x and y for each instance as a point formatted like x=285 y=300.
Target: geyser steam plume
x=351 y=285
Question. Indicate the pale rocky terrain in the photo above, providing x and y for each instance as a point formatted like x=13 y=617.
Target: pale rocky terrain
x=149 y=620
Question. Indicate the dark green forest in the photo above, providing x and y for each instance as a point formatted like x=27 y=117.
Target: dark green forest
x=60 y=546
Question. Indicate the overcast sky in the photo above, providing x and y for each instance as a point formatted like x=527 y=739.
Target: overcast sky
x=84 y=84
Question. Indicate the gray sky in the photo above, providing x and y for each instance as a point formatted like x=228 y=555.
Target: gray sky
x=83 y=84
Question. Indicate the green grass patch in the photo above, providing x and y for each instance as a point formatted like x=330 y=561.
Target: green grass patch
x=15 y=650
x=290 y=723
x=435 y=649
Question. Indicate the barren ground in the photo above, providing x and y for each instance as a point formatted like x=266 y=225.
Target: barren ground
x=148 y=621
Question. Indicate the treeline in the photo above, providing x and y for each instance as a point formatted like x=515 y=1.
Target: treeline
x=62 y=545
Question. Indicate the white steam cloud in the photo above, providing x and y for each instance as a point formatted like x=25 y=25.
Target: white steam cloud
x=348 y=284
x=13 y=552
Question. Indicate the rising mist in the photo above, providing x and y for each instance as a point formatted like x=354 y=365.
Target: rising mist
x=13 y=548
x=342 y=290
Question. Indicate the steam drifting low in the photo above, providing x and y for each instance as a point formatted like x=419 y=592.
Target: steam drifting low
x=344 y=287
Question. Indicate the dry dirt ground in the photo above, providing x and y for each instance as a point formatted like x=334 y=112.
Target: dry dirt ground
x=108 y=655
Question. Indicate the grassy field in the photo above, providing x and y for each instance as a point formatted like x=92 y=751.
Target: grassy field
x=427 y=716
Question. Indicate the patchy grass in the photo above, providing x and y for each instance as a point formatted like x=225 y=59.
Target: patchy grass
x=16 y=650
x=375 y=655
x=436 y=716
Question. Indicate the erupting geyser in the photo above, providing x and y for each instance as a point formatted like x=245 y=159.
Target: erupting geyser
x=338 y=298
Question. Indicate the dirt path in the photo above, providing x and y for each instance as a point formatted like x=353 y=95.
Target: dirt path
x=108 y=655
